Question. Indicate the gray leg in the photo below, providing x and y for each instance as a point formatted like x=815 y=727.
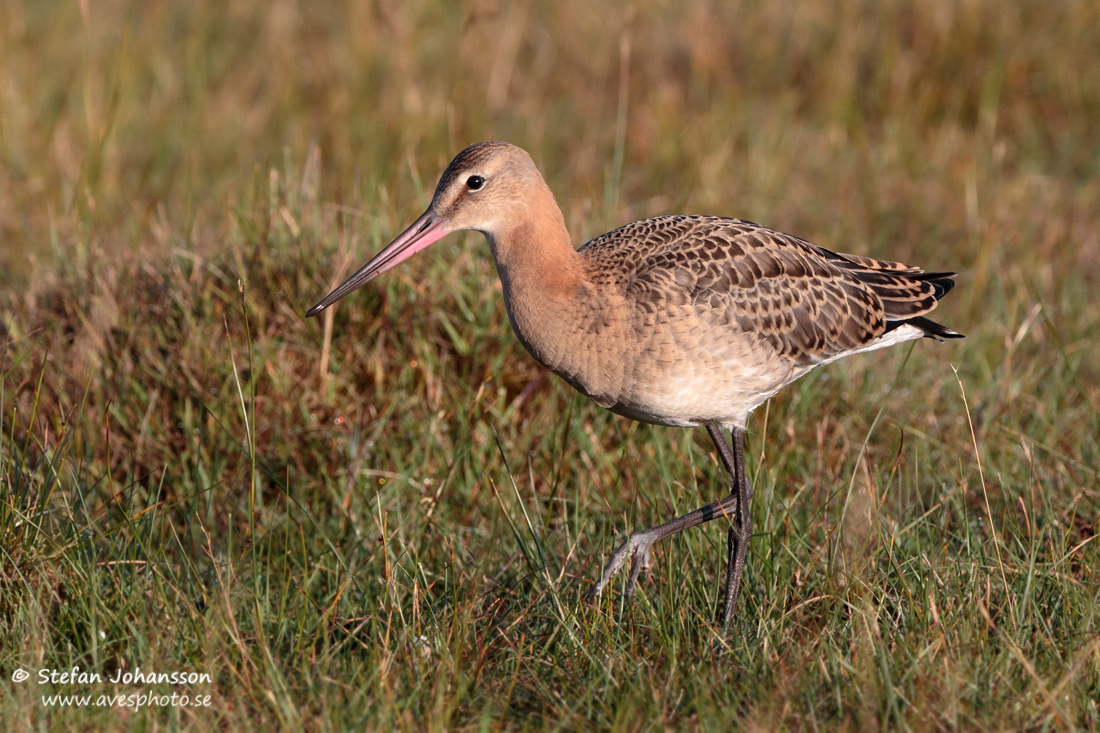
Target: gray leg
x=741 y=530
x=637 y=545
x=735 y=506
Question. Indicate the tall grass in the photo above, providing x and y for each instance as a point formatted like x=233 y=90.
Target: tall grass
x=387 y=519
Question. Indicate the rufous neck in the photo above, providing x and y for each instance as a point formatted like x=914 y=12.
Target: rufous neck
x=533 y=252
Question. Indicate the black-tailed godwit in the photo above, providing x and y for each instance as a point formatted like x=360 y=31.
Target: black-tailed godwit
x=687 y=321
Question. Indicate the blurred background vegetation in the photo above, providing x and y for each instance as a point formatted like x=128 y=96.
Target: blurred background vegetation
x=386 y=518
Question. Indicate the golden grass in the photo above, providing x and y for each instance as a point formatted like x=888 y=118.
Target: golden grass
x=154 y=155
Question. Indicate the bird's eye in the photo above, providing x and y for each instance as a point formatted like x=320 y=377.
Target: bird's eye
x=475 y=182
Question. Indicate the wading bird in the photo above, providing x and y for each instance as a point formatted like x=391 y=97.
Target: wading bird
x=686 y=321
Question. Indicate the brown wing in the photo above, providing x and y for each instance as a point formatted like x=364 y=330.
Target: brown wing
x=807 y=303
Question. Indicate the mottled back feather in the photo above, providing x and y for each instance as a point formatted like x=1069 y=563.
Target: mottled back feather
x=807 y=303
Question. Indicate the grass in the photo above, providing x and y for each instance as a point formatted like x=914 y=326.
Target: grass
x=387 y=519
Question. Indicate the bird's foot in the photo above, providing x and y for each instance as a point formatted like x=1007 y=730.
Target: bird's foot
x=636 y=548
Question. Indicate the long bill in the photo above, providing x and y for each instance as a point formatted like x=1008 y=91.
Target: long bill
x=425 y=230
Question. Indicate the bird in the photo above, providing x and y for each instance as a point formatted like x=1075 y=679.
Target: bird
x=681 y=320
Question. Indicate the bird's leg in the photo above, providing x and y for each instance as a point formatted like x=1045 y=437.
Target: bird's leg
x=741 y=530
x=637 y=545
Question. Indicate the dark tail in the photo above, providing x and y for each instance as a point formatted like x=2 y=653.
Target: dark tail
x=931 y=329
x=942 y=283
x=907 y=293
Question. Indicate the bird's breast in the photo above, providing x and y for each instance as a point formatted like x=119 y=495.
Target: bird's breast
x=665 y=366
